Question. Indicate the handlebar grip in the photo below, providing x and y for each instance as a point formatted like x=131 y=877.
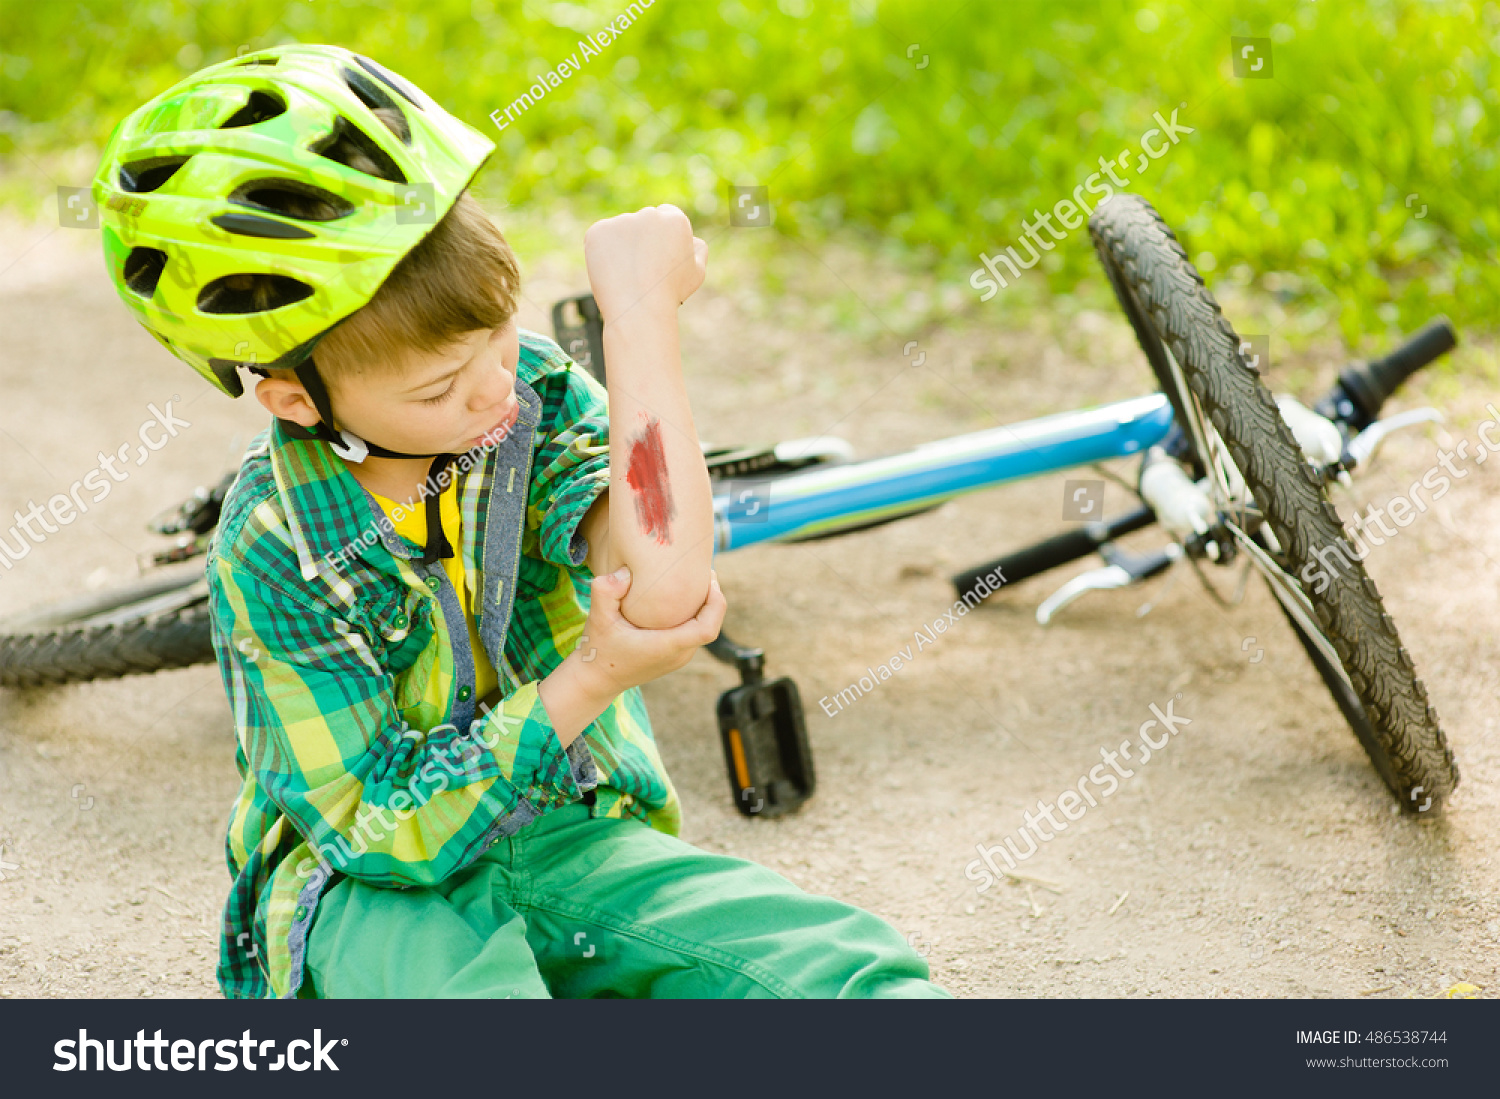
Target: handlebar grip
x=1370 y=384
x=1052 y=552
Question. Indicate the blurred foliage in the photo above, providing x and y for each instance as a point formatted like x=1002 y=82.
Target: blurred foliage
x=936 y=125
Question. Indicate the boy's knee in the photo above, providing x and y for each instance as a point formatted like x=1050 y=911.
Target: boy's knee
x=858 y=955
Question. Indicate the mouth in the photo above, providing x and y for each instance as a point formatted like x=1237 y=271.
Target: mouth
x=496 y=435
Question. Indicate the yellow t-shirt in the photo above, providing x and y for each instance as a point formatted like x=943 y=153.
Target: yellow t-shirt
x=413 y=525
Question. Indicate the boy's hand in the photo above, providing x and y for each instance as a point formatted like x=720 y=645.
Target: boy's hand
x=615 y=656
x=646 y=258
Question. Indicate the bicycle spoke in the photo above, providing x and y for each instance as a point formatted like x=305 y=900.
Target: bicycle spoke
x=1208 y=586
x=1210 y=448
x=1297 y=604
x=1238 y=507
x=1195 y=425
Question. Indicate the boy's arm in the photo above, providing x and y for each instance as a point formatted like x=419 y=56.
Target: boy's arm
x=571 y=697
x=609 y=549
x=659 y=514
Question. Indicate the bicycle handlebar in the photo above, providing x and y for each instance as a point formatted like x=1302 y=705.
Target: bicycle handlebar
x=1367 y=385
x=1057 y=550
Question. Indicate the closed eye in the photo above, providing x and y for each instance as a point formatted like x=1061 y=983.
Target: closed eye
x=441 y=397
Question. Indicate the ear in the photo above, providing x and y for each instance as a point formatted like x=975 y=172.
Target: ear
x=285 y=399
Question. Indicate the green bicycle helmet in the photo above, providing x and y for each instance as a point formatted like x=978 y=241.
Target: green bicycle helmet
x=252 y=207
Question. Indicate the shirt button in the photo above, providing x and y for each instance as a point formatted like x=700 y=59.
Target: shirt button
x=434 y=583
x=464 y=693
x=301 y=911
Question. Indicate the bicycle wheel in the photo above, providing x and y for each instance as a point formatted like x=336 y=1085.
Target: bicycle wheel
x=145 y=626
x=1256 y=470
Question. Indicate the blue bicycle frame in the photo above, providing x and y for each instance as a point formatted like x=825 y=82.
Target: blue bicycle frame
x=827 y=499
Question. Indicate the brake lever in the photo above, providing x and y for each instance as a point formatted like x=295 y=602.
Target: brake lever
x=1123 y=570
x=1104 y=579
x=1362 y=447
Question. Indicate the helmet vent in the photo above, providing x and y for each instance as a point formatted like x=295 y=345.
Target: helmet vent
x=373 y=96
x=351 y=146
x=293 y=199
x=258 y=61
x=261 y=107
x=143 y=176
x=253 y=225
x=143 y=268
x=392 y=81
x=251 y=293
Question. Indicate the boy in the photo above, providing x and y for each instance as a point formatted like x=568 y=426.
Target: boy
x=433 y=644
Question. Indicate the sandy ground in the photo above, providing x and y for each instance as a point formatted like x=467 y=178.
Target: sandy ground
x=1257 y=855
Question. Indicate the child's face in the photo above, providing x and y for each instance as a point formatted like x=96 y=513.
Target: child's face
x=444 y=402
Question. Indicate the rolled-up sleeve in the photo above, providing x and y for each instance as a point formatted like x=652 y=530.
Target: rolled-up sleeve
x=571 y=465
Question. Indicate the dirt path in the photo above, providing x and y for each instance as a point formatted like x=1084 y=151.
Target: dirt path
x=1257 y=855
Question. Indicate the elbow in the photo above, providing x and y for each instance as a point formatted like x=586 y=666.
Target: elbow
x=672 y=601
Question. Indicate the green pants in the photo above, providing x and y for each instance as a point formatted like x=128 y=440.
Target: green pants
x=574 y=906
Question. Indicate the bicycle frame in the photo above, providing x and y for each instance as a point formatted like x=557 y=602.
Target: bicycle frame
x=826 y=499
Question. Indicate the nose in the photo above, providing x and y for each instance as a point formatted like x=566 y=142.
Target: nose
x=499 y=384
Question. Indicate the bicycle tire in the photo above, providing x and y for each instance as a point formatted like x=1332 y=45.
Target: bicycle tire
x=1172 y=310
x=61 y=643
x=1338 y=686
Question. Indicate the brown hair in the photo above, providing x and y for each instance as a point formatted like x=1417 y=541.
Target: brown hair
x=460 y=277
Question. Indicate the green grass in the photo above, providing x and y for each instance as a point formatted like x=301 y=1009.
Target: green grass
x=1301 y=180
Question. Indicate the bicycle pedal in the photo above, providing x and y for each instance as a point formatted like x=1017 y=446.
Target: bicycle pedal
x=764 y=734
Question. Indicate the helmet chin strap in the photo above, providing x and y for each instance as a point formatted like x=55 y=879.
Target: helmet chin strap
x=352 y=448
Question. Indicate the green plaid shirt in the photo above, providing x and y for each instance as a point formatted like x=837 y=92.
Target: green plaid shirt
x=349 y=671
